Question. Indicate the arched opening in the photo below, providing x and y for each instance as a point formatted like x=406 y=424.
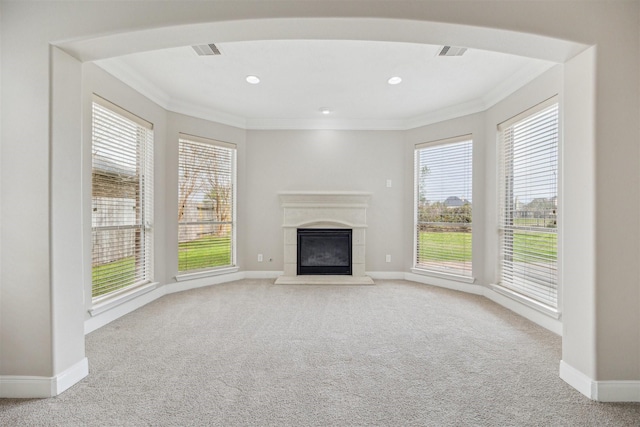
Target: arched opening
x=326 y=28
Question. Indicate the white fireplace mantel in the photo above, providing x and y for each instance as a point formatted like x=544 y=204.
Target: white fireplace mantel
x=324 y=209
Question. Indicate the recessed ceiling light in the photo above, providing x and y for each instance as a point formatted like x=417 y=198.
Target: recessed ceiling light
x=394 y=80
x=254 y=80
x=325 y=111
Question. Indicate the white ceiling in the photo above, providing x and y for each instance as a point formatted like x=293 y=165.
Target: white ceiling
x=298 y=77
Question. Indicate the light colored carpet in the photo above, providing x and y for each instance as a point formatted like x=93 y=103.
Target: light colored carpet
x=255 y=353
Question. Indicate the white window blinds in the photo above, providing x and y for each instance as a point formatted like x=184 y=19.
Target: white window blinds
x=529 y=203
x=206 y=205
x=122 y=199
x=443 y=206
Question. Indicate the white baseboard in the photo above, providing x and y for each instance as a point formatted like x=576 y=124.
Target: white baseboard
x=617 y=391
x=262 y=274
x=107 y=316
x=22 y=387
x=202 y=282
x=576 y=379
x=602 y=391
x=72 y=375
x=552 y=324
x=386 y=275
x=445 y=283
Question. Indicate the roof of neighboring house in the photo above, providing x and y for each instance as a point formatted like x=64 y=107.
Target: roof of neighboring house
x=455 y=201
x=110 y=167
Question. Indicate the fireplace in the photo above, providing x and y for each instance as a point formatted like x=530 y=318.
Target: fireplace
x=324 y=251
x=320 y=212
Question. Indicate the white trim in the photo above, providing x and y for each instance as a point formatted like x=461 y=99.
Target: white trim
x=104 y=317
x=528 y=112
x=72 y=375
x=517 y=80
x=542 y=308
x=576 y=379
x=601 y=391
x=453 y=282
x=206 y=273
x=617 y=391
x=186 y=285
x=443 y=275
x=207 y=141
x=262 y=274
x=445 y=283
x=386 y=275
x=119 y=298
x=529 y=312
x=114 y=108
x=22 y=386
x=202 y=112
x=451 y=140
x=138 y=300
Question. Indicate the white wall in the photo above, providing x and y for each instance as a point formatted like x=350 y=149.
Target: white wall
x=578 y=211
x=27 y=332
x=324 y=160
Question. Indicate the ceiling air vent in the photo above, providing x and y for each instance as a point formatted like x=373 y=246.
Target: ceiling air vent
x=206 y=49
x=452 y=51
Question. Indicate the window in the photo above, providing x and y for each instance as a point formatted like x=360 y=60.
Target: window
x=206 y=205
x=122 y=199
x=529 y=204
x=443 y=176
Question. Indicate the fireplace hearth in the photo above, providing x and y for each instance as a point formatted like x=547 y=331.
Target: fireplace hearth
x=324 y=251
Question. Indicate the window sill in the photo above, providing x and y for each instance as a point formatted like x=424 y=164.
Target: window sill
x=119 y=298
x=206 y=273
x=531 y=303
x=433 y=273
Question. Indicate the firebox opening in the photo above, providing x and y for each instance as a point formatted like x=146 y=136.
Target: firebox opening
x=324 y=251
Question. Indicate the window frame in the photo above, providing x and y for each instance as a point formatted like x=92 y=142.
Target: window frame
x=507 y=209
x=220 y=269
x=464 y=274
x=142 y=248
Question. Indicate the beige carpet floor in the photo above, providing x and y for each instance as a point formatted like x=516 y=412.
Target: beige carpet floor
x=252 y=353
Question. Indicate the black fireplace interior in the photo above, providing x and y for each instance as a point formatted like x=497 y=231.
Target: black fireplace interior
x=324 y=251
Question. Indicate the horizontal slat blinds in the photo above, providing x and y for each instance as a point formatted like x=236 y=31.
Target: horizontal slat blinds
x=206 y=205
x=122 y=200
x=528 y=205
x=443 y=206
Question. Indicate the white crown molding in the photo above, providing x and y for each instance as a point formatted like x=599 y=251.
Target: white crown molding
x=326 y=123
x=516 y=81
x=127 y=75
x=449 y=113
x=210 y=114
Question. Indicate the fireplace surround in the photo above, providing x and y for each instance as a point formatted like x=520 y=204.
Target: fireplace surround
x=324 y=210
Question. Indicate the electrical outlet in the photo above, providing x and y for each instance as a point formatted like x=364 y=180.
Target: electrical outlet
x=259 y=257
x=388 y=258
x=388 y=183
